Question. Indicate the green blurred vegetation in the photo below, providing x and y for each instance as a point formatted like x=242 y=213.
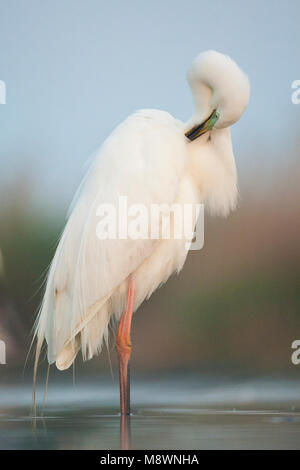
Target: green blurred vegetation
x=27 y=241
x=247 y=322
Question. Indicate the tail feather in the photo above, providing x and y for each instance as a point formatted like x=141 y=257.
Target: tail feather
x=67 y=356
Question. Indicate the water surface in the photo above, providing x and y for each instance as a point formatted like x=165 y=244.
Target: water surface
x=178 y=413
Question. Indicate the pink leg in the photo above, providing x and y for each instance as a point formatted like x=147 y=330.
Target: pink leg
x=123 y=345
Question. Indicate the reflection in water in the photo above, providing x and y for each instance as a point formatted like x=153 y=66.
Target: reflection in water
x=125 y=432
x=182 y=413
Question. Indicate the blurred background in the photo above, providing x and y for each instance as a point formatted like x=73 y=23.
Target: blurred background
x=73 y=70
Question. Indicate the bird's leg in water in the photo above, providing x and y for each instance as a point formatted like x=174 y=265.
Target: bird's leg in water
x=123 y=345
x=125 y=432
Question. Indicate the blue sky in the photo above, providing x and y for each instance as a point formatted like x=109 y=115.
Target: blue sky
x=74 y=69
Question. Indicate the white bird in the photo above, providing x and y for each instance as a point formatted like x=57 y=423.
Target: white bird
x=152 y=158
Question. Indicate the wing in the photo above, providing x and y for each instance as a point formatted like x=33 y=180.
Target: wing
x=142 y=160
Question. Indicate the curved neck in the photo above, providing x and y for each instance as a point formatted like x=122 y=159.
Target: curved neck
x=202 y=94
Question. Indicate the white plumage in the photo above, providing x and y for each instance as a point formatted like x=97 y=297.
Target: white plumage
x=149 y=159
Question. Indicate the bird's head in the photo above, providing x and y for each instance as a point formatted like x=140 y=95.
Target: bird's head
x=221 y=93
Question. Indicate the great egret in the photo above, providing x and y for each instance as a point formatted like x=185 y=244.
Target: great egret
x=152 y=158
